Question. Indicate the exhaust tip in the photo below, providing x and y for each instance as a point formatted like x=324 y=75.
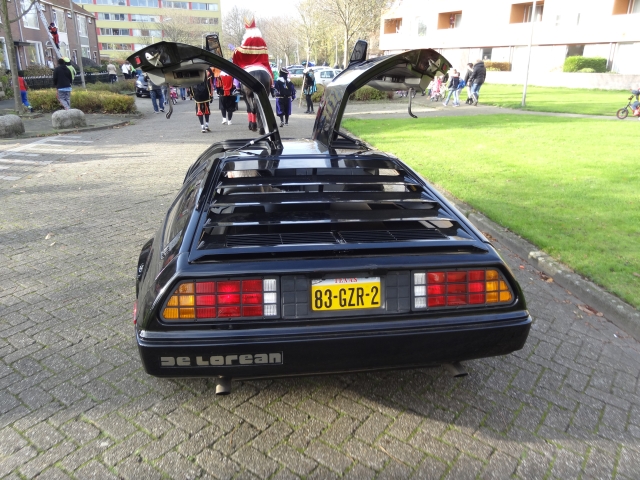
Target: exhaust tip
x=223 y=386
x=456 y=370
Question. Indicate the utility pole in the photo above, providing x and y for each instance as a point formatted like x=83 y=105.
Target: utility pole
x=11 y=52
x=526 y=77
x=73 y=19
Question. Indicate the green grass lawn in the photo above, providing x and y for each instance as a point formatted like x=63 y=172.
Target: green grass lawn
x=570 y=186
x=561 y=100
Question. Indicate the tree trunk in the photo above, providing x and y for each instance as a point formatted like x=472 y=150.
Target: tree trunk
x=11 y=52
x=346 y=48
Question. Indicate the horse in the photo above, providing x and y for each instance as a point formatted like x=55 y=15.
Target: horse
x=253 y=110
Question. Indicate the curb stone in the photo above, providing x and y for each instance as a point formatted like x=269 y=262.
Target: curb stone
x=618 y=312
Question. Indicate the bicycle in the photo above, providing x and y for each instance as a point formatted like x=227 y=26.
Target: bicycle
x=624 y=111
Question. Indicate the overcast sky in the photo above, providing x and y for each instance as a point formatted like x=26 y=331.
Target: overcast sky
x=262 y=8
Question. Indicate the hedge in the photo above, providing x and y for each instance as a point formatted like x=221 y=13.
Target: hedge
x=121 y=86
x=367 y=93
x=87 y=101
x=587 y=70
x=577 y=63
x=497 y=66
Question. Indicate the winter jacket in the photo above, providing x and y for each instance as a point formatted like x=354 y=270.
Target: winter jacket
x=62 y=77
x=467 y=77
x=479 y=73
x=453 y=83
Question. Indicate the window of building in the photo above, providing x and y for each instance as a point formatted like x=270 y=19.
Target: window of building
x=57 y=17
x=212 y=7
x=83 y=1
x=115 y=46
x=118 y=17
x=184 y=5
x=486 y=53
x=33 y=52
x=392 y=25
x=422 y=27
x=114 y=31
x=144 y=3
x=64 y=49
x=204 y=20
x=30 y=20
x=449 y=20
x=145 y=18
x=86 y=52
x=522 y=12
x=574 y=50
x=142 y=32
x=81 y=22
x=623 y=7
x=112 y=2
x=75 y=56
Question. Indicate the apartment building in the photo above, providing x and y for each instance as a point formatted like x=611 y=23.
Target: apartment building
x=31 y=39
x=128 y=25
x=500 y=30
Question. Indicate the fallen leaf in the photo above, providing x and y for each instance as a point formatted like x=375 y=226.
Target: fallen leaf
x=49 y=235
x=599 y=314
x=636 y=274
x=588 y=309
x=521 y=267
x=52 y=244
x=549 y=280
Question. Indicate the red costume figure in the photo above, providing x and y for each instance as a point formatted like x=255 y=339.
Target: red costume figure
x=253 y=52
x=54 y=33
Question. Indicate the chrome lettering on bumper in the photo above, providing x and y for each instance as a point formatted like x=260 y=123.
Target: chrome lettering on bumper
x=223 y=360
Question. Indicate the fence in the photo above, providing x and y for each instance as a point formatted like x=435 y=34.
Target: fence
x=37 y=83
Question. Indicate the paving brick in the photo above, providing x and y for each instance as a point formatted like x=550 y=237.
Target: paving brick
x=327 y=456
x=177 y=466
x=256 y=461
x=295 y=461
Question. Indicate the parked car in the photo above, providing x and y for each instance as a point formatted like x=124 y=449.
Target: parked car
x=315 y=255
x=295 y=71
x=325 y=75
x=142 y=87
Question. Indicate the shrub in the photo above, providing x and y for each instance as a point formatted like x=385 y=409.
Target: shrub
x=37 y=71
x=89 y=101
x=497 y=66
x=316 y=97
x=368 y=93
x=577 y=63
x=120 y=86
x=587 y=70
x=297 y=82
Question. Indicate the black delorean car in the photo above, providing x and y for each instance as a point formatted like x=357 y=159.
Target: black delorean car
x=315 y=256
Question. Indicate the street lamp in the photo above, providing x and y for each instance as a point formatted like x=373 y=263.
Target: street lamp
x=526 y=77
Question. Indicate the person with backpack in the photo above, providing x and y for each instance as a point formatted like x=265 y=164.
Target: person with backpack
x=453 y=87
x=285 y=94
x=202 y=95
x=62 y=81
x=477 y=78
x=309 y=88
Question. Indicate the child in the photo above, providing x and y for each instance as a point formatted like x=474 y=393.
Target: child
x=174 y=95
x=201 y=94
x=227 y=97
x=23 y=93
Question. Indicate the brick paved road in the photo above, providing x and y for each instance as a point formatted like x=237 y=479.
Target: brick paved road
x=74 y=401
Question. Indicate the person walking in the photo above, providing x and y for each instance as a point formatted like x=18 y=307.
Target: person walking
x=113 y=73
x=226 y=97
x=467 y=82
x=155 y=92
x=165 y=94
x=285 y=94
x=62 y=81
x=454 y=81
x=23 y=93
x=477 y=78
x=201 y=94
x=126 y=70
x=309 y=88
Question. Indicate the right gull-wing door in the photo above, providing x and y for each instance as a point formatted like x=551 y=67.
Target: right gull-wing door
x=411 y=69
x=183 y=65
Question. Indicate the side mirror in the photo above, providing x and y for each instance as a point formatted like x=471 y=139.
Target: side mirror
x=359 y=53
x=213 y=44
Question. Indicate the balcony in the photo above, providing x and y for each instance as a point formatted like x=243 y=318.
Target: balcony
x=449 y=20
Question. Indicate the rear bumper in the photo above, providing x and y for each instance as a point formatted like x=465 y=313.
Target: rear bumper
x=330 y=349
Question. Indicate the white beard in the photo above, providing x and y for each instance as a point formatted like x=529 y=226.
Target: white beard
x=250 y=33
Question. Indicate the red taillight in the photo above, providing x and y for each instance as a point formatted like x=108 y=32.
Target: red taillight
x=222 y=299
x=456 y=288
x=135 y=312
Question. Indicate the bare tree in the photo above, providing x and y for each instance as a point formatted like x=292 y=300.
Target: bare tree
x=280 y=37
x=179 y=27
x=233 y=28
x=355 y=17
x=4 y=15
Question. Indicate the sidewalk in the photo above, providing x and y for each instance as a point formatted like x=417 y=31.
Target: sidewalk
x=39 y=124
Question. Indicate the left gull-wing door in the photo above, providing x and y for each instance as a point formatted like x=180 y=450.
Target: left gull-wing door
x=183 y=65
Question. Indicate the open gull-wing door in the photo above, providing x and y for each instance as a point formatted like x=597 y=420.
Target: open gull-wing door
x=411 y=69
x=183 y=65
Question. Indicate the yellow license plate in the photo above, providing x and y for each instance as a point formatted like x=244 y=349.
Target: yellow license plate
x=345 y=293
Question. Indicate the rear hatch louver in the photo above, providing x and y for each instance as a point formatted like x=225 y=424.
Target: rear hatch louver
x=317 y=203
